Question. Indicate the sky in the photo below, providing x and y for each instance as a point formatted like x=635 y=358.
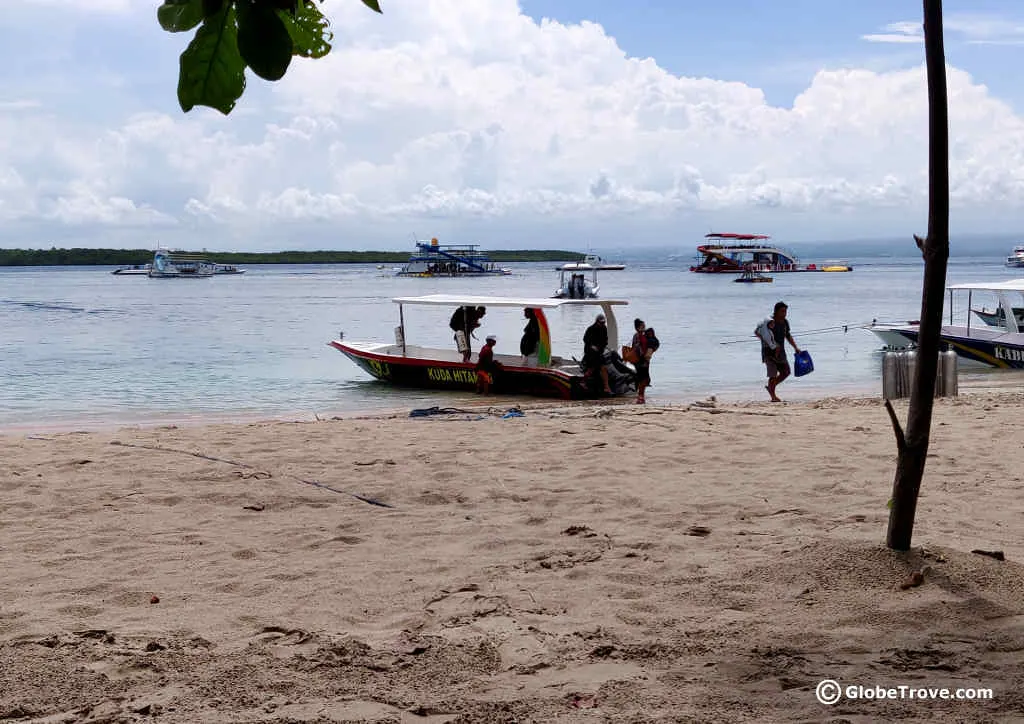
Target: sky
x=572 y=124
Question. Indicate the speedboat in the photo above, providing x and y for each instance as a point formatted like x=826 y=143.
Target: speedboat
x=574 y=283
x=734 y=253
x=591 y=260
x=752 y=276
x=404 y=364
x=996 y=317
x=227 y=269
x=1016 y=258
x=998 y=345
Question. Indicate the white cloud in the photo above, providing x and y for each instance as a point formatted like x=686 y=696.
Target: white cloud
x=87 y=6
x=449 y=115
x=970 y=28
x=902 y=32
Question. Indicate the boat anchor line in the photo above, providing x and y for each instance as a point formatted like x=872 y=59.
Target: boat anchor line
x=844 y=328
x=314 y=483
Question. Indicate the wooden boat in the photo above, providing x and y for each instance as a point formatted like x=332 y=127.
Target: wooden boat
x=1000 y=345
x=733 y=253
x=404 y=364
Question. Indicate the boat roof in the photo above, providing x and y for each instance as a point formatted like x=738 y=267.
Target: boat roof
x=452 y=300
x=1010 y=285
x=737 y=237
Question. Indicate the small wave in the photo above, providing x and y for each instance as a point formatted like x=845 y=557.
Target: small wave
x=49 y=306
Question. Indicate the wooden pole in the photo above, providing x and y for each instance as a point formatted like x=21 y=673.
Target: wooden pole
x=935 y=248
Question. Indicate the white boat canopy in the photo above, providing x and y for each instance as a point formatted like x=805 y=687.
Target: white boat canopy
x=539 y=304
x=1011 y=285
x=451 y=300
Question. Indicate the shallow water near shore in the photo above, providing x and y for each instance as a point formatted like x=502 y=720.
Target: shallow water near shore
x=84 y=347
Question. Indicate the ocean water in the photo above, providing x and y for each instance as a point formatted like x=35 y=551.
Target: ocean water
x=82 y=346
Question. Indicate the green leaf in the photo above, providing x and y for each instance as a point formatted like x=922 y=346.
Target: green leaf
x=212 y=72
x=263 y=40
x=213 y=7
x=177 y=16
x=310 y=31
x=373 y=5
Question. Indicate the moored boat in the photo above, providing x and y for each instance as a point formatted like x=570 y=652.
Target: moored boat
x=133 y=270
x=179 y=265
x=434 y=259
x=996 y=345
x=734 y=253
x=590 y=261
x=752 y=276
x=402 y=363
x=576 y=284
x=1016 y=257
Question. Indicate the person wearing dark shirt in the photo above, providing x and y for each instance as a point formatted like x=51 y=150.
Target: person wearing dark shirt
x=531 y=335
x=486 y=366
x=595 y=341
x=774 y=333
x=463 y=322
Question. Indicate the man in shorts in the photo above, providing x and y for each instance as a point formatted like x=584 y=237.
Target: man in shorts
x=773 y=334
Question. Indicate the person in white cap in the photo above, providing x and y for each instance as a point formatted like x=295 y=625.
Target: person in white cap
x=486 y=366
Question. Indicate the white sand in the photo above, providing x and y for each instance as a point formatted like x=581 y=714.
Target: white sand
x=576 y=564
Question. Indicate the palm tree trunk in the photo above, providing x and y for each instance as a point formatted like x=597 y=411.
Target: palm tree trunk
x=913 y=447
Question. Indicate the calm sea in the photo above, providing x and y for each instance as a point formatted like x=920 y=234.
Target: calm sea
x=84 y=347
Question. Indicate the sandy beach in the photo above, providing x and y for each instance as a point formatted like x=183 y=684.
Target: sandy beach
x=704 y=562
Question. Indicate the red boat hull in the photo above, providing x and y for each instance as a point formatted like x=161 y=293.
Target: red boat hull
x=462 y=376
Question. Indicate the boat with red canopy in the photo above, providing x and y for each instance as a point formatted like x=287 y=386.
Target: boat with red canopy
x=737 y=253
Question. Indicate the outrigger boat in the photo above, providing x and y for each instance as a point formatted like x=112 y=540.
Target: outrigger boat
x=449 y=260
x=403 y=364
x=998 y=345
x=729 y=254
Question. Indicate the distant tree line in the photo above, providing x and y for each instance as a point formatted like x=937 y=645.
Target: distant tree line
x=116 y=257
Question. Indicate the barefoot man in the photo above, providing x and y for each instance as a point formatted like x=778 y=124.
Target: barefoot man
x=773 y=334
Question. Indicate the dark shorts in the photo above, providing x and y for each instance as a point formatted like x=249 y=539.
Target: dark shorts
x=776 y=366
x=643 y=373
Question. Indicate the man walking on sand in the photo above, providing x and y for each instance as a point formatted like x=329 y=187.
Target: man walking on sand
x=773 y=334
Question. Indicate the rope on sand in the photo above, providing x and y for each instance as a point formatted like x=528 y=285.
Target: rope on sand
x=314 y=483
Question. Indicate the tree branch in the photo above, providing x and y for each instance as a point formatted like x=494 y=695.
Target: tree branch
x=901 y=440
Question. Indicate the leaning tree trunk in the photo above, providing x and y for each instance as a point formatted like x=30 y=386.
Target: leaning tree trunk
x=913 y=447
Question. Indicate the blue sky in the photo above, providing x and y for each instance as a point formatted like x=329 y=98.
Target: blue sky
x=779 y=46
x=642 y=122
